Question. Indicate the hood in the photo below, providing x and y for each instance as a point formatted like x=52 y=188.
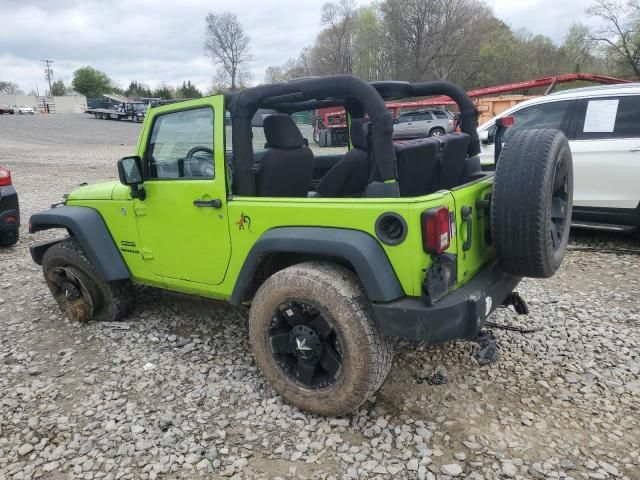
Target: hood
x=97 y=191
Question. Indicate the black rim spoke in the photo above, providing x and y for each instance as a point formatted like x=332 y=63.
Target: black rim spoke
x=558 y=207
x=305 y=345
x=291 y=314
x=304 y=372
x=330 y=361
x=280 y=343
x=321 y=326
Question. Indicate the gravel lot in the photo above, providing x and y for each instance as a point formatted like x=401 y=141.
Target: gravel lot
x=173 y=391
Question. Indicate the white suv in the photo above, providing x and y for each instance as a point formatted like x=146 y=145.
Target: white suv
x=603 y=128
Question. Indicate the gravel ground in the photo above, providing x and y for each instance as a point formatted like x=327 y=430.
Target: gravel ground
x=173 y=392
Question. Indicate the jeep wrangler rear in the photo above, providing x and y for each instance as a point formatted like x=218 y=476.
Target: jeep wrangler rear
x=407 y=240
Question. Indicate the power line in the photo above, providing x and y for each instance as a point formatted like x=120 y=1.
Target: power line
x=48 y=72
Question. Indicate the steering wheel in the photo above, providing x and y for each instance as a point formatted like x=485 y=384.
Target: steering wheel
x=204 y=168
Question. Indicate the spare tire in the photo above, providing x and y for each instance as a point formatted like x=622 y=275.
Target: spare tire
x=532 y=202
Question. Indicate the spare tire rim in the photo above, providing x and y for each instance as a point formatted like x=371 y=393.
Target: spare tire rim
x=559 y=205
x=305 y=345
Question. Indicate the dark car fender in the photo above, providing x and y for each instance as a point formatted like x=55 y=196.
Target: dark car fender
x=88 y=227
x=357 y=248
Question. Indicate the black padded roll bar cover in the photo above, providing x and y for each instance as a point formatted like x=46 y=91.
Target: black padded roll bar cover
x=468 y=111
x=243 y=105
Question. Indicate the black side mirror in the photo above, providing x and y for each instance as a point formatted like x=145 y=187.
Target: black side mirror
x=395 y=120
x=130 y=173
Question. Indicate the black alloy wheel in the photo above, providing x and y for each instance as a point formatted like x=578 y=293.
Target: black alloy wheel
x=305 y=345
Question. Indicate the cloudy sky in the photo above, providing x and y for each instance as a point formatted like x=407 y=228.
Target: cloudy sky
x=156 y=40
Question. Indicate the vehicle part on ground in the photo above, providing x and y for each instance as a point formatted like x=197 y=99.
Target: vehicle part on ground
x=488 y=349
x=81 y=292
x=530 y=223
x=314 y=338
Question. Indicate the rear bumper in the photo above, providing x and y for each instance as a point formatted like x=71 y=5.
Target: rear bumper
x=9 y=210
x=459 y=315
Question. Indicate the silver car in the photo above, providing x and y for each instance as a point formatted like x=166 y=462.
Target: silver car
x=423 y=123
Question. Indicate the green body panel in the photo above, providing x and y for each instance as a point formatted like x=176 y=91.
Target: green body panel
x=480 y=252
x=166 y=241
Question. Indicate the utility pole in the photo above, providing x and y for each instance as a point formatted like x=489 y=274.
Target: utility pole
x=48 y=72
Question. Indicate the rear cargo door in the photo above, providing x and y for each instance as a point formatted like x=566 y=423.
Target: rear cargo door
x=472 y=228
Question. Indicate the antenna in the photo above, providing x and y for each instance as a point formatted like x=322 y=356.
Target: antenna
x=48 y=72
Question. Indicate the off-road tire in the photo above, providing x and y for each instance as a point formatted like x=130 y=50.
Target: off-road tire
x=113 y=300
x=521 y=203
x=9 y=238
x=337 y=293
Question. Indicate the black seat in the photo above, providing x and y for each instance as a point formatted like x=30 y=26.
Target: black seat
x=350 y=176
x=454 y=155
x=284 y=169
x=426 y=165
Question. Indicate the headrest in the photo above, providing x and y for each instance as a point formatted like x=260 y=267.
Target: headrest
x=282 y=132
x=359 y=130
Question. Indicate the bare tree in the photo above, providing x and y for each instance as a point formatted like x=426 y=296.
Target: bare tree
x=10 y=88
x=228 y=46
x=621 y=36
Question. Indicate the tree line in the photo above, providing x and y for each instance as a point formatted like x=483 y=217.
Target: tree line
x=463 y=42
x=90 y=82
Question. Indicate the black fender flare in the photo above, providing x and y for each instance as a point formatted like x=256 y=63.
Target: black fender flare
x=88 y=227
x=359 y=249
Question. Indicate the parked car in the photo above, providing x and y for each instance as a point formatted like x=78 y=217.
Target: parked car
x=430 y=122
x=6 y=109
x=23 y=109
x=9 y=210
x=603 y=127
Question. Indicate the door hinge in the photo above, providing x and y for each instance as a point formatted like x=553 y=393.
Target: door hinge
x=147 y=253
x=140 y=209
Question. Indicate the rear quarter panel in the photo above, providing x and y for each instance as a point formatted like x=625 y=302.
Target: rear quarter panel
x=250 y=217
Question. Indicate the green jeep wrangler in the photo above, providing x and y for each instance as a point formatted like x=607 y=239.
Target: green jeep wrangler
x=337 y=255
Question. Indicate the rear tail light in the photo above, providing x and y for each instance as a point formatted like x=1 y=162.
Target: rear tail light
x=436 y=230
x=5 y=177
x=451 y=122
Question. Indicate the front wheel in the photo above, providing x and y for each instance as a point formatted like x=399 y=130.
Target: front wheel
x=314 y=338
x=80 y=291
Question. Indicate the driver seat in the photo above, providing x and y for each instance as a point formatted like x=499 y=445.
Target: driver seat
x=285 y=168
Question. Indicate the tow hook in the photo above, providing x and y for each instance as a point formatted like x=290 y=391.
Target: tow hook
x=518 y=303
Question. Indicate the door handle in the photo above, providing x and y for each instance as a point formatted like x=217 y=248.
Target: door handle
x=215 y=203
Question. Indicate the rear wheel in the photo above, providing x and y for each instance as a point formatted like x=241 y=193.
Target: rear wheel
x=79 y=289
x=532 y=202
x=314 y=338
x=436 y=132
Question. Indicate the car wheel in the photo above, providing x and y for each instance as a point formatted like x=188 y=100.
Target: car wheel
x=315 y=340
x=10 y=238
x=436 y=132
x=532 y=202
x=19 y=112
x=80 y=291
